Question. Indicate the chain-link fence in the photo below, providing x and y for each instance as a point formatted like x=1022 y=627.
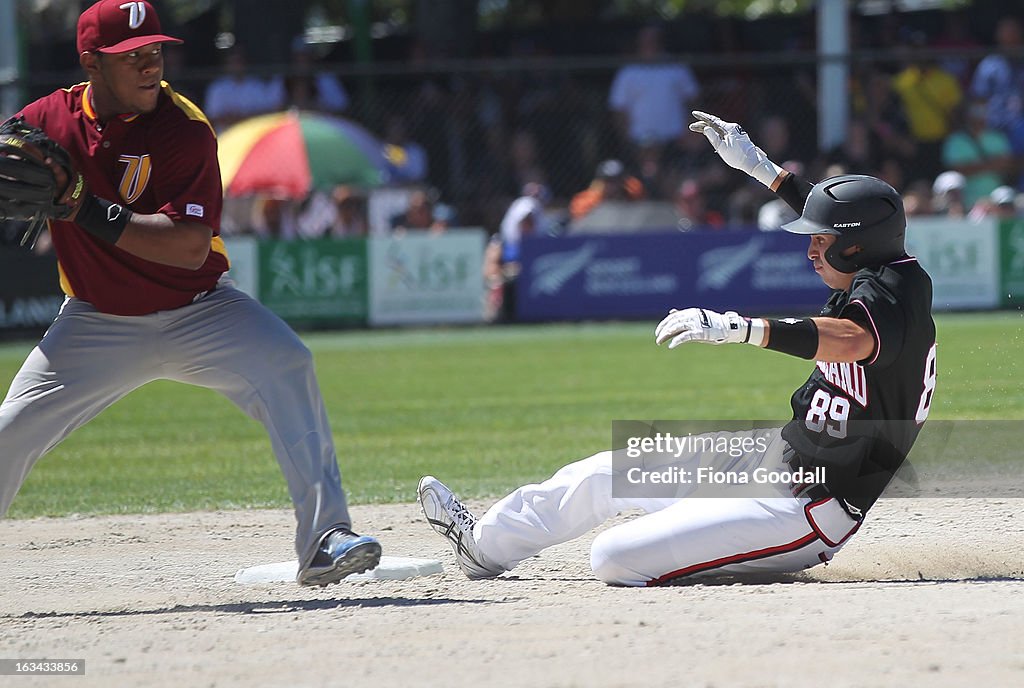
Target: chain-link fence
x=478 y=132
x=486 y=130
x=473 y=134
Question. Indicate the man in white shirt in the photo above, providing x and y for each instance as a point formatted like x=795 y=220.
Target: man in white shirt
x=237 y=94
x=652 y=96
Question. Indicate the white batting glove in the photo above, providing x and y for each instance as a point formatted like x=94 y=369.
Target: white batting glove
x=734 y=146
x=702 y=325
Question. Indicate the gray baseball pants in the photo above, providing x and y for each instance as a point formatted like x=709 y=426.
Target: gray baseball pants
x=225 y=341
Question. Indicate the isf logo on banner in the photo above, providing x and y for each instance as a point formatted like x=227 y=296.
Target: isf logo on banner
x=427 y=279
x=317 y=280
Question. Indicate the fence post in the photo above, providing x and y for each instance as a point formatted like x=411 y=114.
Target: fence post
x=833 y=71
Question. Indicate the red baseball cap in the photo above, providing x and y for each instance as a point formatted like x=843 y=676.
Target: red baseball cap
x=118 y=26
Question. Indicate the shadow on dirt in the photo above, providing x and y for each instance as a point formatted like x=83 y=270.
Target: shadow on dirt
x=272 y=607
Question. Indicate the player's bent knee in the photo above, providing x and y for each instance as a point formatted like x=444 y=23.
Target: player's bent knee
x=293 y=354
x=612 y=563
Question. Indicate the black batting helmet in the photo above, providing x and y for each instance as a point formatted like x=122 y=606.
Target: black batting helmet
x=862 y=212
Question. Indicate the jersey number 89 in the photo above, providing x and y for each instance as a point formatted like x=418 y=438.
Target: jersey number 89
x=828 y=413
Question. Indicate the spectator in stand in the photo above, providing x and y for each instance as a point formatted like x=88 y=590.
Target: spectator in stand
x=1001 y=204
x=930 y=97
x=351 y=219
x=742 y=208
x=499 y=294
x=773 y=137
x=407 y=159
x=1005 y=202
x=948 y=194
x=275 y=218
x=981 y=153
x=891 y=171
x=654 y=174
x=917 y=198
x=692 y=208
x=855 y=154
x=237 y=95
x=878 y=105
x=236 y=217
x=445 y=217
x=651 y=97
x=422 y=213
x=308 y=88
x=525 y=159
x=698 y=161
x=525 y=217
x=999 y=78
x=611 y=183
x=340 y=213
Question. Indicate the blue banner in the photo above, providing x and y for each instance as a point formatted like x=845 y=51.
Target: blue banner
x=643 y=275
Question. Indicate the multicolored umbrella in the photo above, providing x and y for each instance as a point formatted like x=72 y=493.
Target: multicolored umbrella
x=289 y=154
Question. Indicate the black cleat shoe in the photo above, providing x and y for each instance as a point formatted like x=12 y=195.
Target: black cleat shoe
x=341 y=553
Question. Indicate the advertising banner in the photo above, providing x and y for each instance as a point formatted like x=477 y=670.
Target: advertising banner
x=1011 y=263
x=962 y=258
x=643 y=275
x=319 y=281
x=244 y=254
x=425 y=278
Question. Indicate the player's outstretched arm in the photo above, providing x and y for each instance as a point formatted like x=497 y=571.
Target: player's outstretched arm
x=734 y=146
x=823 y=339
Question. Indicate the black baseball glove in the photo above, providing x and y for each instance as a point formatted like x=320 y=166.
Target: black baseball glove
x=38 y=181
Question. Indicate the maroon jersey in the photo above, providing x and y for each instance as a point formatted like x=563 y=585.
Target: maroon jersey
x=165 y=162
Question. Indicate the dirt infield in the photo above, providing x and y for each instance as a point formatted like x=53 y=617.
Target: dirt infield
x=930 y=593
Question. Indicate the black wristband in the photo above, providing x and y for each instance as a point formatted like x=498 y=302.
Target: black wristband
x=102 y=218
x=794 y=191
x=796 y=337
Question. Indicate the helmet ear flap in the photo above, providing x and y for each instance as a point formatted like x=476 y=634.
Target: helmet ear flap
x=839 y=257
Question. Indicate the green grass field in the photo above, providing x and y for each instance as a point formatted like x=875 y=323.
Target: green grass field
x=484 y=408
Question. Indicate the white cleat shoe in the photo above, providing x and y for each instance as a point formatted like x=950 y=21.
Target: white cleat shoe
x=450 y=518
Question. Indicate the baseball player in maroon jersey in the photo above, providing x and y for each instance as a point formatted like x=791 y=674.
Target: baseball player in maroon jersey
x=142 y=265
x=854 y=419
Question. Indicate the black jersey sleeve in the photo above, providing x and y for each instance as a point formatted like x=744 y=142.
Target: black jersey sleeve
x=873 y=305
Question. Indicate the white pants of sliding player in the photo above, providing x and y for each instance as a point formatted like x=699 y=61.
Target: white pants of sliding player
x=687 y=536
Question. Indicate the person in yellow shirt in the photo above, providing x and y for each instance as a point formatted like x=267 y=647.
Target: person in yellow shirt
x=930 y=96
